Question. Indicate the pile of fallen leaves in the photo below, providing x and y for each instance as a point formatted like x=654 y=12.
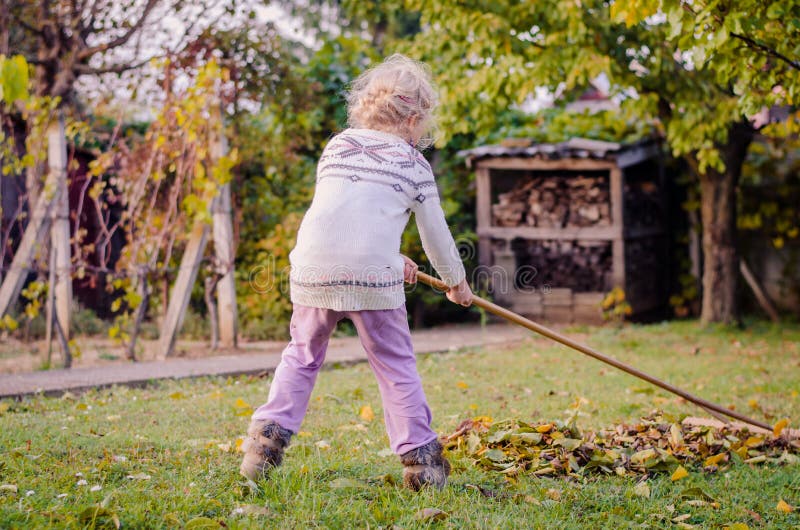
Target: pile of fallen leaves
x=653 y=445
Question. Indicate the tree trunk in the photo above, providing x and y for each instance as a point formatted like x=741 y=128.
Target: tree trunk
x=718 y=214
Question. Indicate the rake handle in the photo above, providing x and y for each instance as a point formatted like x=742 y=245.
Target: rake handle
x=591 y=352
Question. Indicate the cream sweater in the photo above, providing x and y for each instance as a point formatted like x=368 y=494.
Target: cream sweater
x=347 y=256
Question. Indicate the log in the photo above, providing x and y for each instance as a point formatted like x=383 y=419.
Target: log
x=554 y=201
x=582 y=266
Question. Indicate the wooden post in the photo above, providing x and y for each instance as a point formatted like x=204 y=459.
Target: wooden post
x=761 y=296
x=483 y=203
x=59 y=231
x=225 y=256
x=35 y=232
x=50 y=307
x=617 y=221
x=182 y=290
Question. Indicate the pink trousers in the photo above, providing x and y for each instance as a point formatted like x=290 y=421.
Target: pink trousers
x=387 y=341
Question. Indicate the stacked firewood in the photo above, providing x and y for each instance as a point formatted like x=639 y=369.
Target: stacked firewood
x=555 y=201
x=583 y=266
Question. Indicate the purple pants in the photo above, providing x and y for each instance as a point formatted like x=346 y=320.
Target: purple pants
x=387 y=340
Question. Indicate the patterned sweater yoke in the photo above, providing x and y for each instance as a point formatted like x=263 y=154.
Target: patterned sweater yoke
x=347 y=255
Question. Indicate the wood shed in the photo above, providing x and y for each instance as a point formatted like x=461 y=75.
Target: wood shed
x=560 y=225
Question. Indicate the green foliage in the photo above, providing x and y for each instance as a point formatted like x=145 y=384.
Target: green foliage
x=771 y=185
x=13 y=79
x=38 y=113
x=490 y=57
x=768 y=199
x=749 y=45
x=84 y=321
x=34 y=293
x=615 y=306
x=554 y=125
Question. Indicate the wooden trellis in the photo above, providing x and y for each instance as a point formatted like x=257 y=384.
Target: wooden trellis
x=50 y=215
x=190 y=265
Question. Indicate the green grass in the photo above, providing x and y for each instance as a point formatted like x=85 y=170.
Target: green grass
x=177 y=432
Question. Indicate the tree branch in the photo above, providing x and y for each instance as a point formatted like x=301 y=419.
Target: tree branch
x=748 y=40
x=85 y=69
x=87 y=28
x=766 y=49
x=122 y=39
x=18 y=19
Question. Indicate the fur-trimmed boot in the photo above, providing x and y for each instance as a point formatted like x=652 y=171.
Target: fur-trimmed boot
x=425 y=466
x=263 y=448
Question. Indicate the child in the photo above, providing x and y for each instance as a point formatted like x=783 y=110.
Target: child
x=347 y=264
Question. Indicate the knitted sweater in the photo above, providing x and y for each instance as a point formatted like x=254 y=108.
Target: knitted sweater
x=347 y=256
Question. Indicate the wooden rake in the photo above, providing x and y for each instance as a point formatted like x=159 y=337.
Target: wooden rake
x=718 y=411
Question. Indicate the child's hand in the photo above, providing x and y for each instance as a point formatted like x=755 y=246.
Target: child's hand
x=410 y=270
x=460 y=294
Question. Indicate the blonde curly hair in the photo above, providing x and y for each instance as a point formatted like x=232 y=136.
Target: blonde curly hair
x=392 y=96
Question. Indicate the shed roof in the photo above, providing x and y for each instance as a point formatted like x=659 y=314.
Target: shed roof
x=572 y=148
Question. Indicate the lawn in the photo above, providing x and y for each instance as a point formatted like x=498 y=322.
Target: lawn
x=165 y=456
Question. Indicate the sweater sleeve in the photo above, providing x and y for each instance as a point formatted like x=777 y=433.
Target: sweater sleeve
x=437 y=241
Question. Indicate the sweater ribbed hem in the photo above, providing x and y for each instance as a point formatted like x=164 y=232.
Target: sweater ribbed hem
x=352 y=299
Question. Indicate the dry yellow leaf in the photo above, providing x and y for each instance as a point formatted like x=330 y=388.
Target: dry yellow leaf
x=754 y=441
x=714 y=460
x=239 y=442
x=737 y=526
x=544 y=428
x=679 y=473
x=784 y=507
x=553 y=494
x=485 y=421
x=462 y=385
x=675 y=436
x=430 y=514
x=780 y=426
x=366 y=413
x=753 y=403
